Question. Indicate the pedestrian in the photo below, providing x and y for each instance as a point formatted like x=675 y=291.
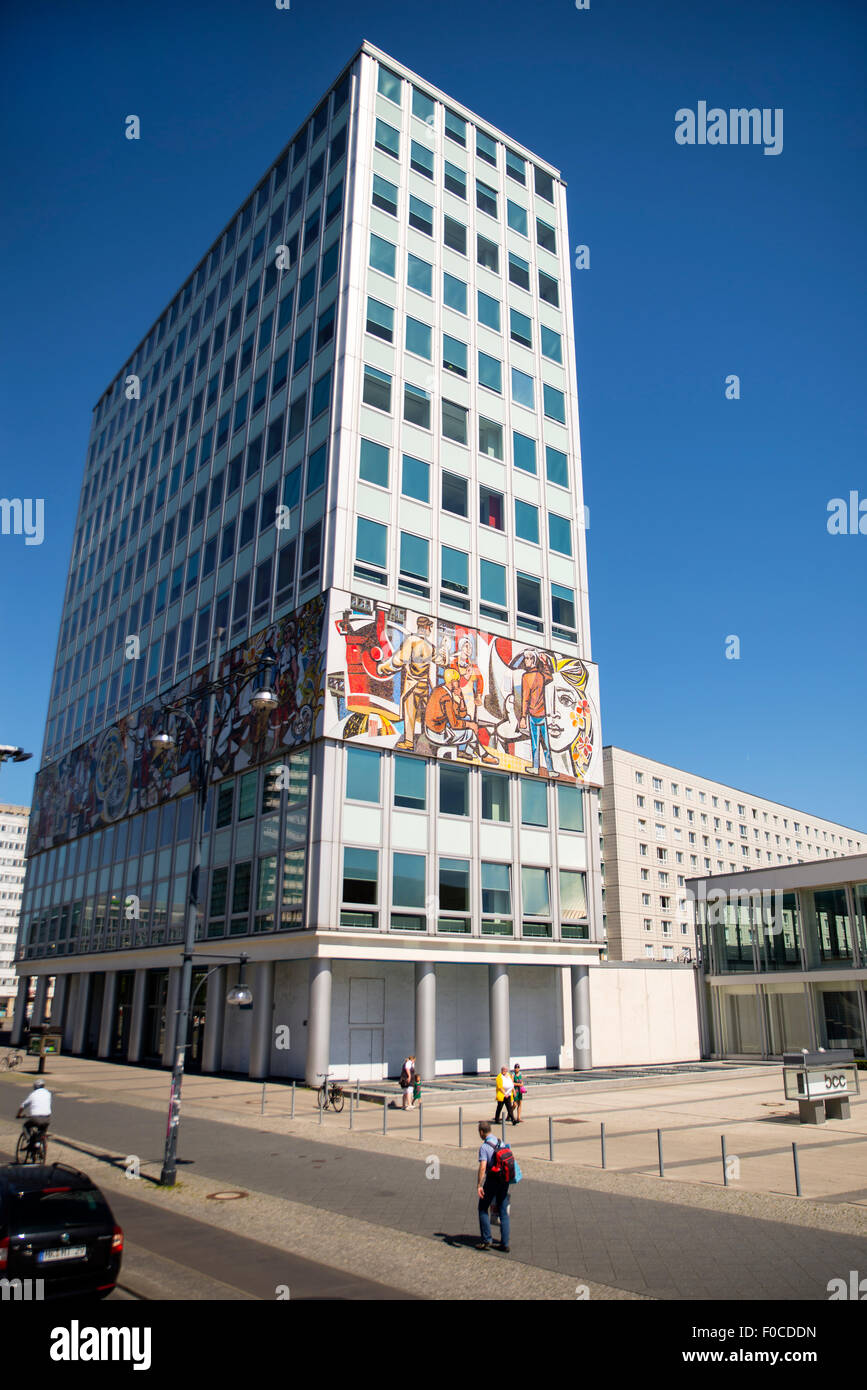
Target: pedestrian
x=406 y=1082
x=520 y=1090
x=505 y=1086
x=416 y=1087
x=492 y=1186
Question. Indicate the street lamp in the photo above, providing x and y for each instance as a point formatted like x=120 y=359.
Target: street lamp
x=263 y=698
x=8 y=753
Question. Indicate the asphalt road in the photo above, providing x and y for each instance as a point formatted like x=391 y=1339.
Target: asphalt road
x=658 y=1249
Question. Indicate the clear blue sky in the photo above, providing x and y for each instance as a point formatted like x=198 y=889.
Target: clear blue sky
x=708 y=516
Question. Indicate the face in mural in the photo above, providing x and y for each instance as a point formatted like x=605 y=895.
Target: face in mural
x=566 y=707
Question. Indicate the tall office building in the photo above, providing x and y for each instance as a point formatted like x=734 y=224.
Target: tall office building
x=13 y=840
x=662 y=826
x=351 y=443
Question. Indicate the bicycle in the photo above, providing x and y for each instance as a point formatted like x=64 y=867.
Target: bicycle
x=11 y=1061
x=330 y=1093
x=32 y=1144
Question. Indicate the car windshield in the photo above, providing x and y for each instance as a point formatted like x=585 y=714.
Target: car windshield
x=31 y=1212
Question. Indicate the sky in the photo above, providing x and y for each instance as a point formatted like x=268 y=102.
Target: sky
x=708 y=515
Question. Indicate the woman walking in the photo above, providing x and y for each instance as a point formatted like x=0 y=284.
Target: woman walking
x=519 y=1090
x=406 y=1080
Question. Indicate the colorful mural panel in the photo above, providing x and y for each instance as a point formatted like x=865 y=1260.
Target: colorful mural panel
x=403 y=680
x=117 y=773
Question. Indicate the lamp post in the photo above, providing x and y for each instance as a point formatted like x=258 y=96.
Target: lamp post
x=8 y=753
x=263 y=698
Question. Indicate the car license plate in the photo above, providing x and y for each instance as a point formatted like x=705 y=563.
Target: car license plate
x=71 y=1252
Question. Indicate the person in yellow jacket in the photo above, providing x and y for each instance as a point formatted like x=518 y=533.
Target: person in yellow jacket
x=505 y=1086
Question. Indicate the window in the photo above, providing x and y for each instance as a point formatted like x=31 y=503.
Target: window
x=573 y=903
x=560 y=533
x=496 y=900
x=371 y=541
x=384 y=195
x=454 y=356
x=526 y=522
x=554 y=404
x=486 y=198
x=490 y=373
x=455 y=180
x=552 y=344
x=377 y=389
x=489 y=311
x=556 y=466
x=549 y=290
x=455 y=576
x=570 y=807
x=520 y=328
x=418 y=338
x=544 y=184
x=454 y=790
x=422 y=106
x=486 y=148
x=421 y=159
x=519 y=271
x=420 y=215
x=388 y=84
x=522 y=389
x=360 y=885
x=455 y=235
x=536 y=894
x=416 y=406
x=534 y=801
x=495 y=797
x=492 y=579
x=454 y=895
x=490 y=508
x=487 y=254
x=454 y=421
x=524 y=452
x=456 y=129
x=490 y=438
x=382 y=255
x=408 y=890
x=516 y=216
x=374 y=463
x=529 y=602
x=419 y=275
x=362 y=774
x=410 y=783
x=515 y=167
x=415 y=479
x=563 y=611
x=546 y=236
x=380 y=320
x=454 y=293
x=454 y=494
x=414 y=563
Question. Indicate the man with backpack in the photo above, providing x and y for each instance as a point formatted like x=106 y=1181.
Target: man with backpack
x=496 y=1171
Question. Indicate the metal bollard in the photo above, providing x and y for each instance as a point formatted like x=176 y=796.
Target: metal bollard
x=503 y=1129
x=460 y=1126
x=385 y=1114
x=292 y=1111
x=798 y=1192
x=551 y=1138
x=357 y=1091
x=421 y=1119
x=262 y=1110
x=659 y=1147
x=350 y=1109
x=602 y=1142
x=725 y=1165
x=321 y=1112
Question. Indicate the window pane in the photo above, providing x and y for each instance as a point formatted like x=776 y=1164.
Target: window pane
x=486 y=148
x=496 y=889
x=456 y=129
x=546 y=236
x=410 y=789
x=408 y=882
x=377 y=389
x=419 y=275
x=522 y=389
x=418 y=338
x=486 y=198
x=455 y=570
x=422 y=106
x=552 y=344
x=454 y=418
x=362 y=774
x=529 y=595
x=388 y=85
x=371 y=542
x=415 y=479
x=573 y=896
x=520 y=328
x=382 y=255
x=421 y=159
x=515 y=167
x=516 y=217
x=570 y=810
x=556 y=466
x=534 y=801
x=454 y=293
x=490 y=438
x=524 y=452
x=490 y=508
x=416 y=406
x=380 y=320
x=526 y=522
x=384 y=195
x=555 y=404
x=360 y=875
x=544 y=184
x=454 y=356
x=454 y=494
x=413 y=556
x=519 y=271
x=495 y=797
x=549 y=290
x=488 y=254
x=387 y=139
x=490 y=373
x=420 y=215
x=454 y=790
x=563 y=607
x=455 y=235
x=374 y=463
x=559 y=533
x=535 y=892
x=489 y=311
x=454 y=885
x=455 y=180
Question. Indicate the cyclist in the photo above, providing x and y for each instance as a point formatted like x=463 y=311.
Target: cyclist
x=35 y=1109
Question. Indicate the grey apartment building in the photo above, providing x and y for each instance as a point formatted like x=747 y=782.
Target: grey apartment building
x=345 y=458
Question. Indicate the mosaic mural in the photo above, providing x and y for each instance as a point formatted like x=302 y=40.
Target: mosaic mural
x=118 y=773
x=403 y=680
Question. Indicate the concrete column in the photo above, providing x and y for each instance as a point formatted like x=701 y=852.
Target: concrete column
x=38 y=1016
x=136 y=1021
x=215 y=1019
x=425 y=1019
x=106 y=1022
x=581 y=1016
x=61 y=983
x=72 y=985
x=84 y=983
x=20 y=1010
x=566 y=1053
x=318 y=1022
x=171 y=1036
x=263 y=1015
x=498 y=991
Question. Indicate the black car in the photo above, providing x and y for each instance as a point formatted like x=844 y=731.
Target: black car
x=56 y=1226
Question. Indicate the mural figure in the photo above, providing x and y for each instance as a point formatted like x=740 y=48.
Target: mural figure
x=537 y=675
x=413 y=658
x=446 y=724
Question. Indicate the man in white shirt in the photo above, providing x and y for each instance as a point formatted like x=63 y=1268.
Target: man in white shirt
x=35 y=1109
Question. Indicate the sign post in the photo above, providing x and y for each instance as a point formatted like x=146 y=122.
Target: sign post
x=821 y=1083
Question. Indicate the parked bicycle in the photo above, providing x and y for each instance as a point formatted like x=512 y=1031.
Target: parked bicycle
x=11 y=1061
x=32 y=1143
x=329 y=1093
